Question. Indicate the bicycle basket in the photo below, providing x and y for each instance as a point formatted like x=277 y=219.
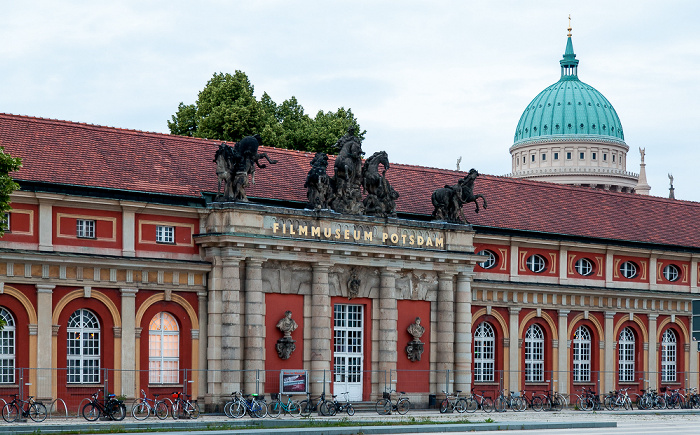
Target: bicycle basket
x=386 y=395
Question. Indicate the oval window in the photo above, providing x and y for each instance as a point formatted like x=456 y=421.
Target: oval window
x=584 y=266
x=671 y=273
x=536 y=263
x=490 y=259
x=628 y=269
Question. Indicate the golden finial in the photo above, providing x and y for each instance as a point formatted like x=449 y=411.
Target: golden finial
x=569 y=35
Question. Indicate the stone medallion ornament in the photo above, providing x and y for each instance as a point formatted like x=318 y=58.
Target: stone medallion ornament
x=448 y=200
x=414 y=349
x=354 y=286
x=235 y=165
x=285 y=345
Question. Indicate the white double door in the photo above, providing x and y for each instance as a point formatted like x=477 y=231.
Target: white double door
x=348 y=356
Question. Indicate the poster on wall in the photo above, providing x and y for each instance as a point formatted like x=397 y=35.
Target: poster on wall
x=293 y=382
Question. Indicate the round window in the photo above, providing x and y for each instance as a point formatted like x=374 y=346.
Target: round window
x=628 y=269
x=584 y=267
x=490 y=259
x=671 y=273
x=536 y=263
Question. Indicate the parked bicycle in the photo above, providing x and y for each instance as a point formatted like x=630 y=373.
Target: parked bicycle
x=512 y=401
x=145 y=407
x=552 y=401
x=183 y=407
x=453 y=403
x=277 y=407
x=12 y=411
x=534 y=402
x=476 y=401
x=309 y=405
x=111 y=408
x=342 y=406
x=588 y=400
x=385 y=406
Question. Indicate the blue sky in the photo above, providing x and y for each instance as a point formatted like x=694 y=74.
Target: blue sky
x=430 y=81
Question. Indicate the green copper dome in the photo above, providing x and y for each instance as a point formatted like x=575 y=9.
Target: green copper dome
x=569 y=107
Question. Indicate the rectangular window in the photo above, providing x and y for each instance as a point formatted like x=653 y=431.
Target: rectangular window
x=605 y=157
x=556 y=156
x=85 y=228
x=613 y=158
x=581 y=156
x=523 y=159
x=5 y=222
x=568 y=156
x=533 y=157
x=544 y=157
x=593 y=155
x=165 y=234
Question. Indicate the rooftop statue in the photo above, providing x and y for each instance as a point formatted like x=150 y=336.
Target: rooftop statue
x=234 y=166
x=381 y=197
x=347 y=197
x=448 y=200
x=318 y=183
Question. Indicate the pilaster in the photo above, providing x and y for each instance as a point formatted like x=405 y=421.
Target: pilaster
x=320 y=330
x=44 y=341
x=609 y=369
x=513 y=349
x=128 y=231
x=652 y=366
x=45 y=225
x=202 y=351
x=230 y=332
x=254 y=362
x=563 y=373
x=128 y=313
x=388 y=333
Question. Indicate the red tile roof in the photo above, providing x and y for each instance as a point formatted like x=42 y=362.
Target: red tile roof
x=88 y=155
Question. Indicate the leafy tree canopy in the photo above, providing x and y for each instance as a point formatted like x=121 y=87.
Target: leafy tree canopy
x=226 y=109
x=7 y=184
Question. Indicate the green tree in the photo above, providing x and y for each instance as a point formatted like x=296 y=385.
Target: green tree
x=7 y=184
x=226 y=109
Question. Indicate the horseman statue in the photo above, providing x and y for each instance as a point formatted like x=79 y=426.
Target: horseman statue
x=236 y=165
x=381 y=197
x=448 y=200
x=347 y=197
x=318 y=184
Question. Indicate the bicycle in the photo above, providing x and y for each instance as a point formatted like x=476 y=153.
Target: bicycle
x=324 y=406
x=184 y=408
x=144 y=407
x=112 y=408
x=384 y=405
x=476 y=401
x=16 y=408
x=276 y=407
x=342 y=406
x=588 y=400
x=551 y=401
x=453 y=403
x=512 y=401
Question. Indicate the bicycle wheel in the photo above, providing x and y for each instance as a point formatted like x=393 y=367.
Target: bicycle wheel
x=161 y=410
x=325 y=408
x=383 y=407
x=275 y=409
x=294 y=409
x=91 y=412
x=460 y=406
x=118 y=411
x=10 y=412
x=350 y=410
x=660 y=403
x=193 y=410
x=472 y=405
x=557 y=404
x=487 y=404
x=403 y=405
x=332 y=409
x=237 y=410
x=141 y=410
x=537 y=404
x=176 y=410
x=519 y=404
x=305 y=408
x=500 y=404
x=444 y=405
x=260 y=409
x=37 y=412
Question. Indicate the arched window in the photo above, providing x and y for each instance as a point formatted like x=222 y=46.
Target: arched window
x=534 y=354
x=625 y=346
x=83 y=348
x=7 y=348
x=484 y=353
x=163 y=349
x=668 y=356
x=582 y=355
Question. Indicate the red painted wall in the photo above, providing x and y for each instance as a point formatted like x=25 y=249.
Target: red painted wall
x=598 y=261
x=185 y=228
x=502 y=256
x=275 y=306
x=413 y=376
x=683 y=269
x=642 y=268
x=551 y=258
x=108 y=227
x=24 y=224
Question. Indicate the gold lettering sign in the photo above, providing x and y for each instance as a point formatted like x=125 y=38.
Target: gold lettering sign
x=426 y=240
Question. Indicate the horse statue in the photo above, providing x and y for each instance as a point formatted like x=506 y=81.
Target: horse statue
x=448 y=200
x=318 y=184
x=381 y=197
x=235 y=164
x=346 y=180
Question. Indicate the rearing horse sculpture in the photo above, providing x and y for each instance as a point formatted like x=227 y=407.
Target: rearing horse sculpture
x=448 y=200
x=381 y=197
x=235 y=164
x=346 y=181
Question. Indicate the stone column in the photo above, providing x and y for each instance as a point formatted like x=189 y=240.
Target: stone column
x=564 y=367
x=463 y=331
x=128 y=314
x=513 y=350
x=202 y=351
x=388 y=333
x=445 y=323
x=231 y=320
x=320 y=330
x=609 y=375
x=254 y=362
x=652 y=367
x=44 y=378
x=214 y=327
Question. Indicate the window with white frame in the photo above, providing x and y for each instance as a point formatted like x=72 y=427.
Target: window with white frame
x=582 y=355
x=7 y=348
x=163 y=349
x=584 y=266
x=536 y=263
x=628 y=269
x=83 y=348
x=668 y=356
x=671 y=272
x=5 y=222
x=85 y=228
x=484 y=353
x=489 y=259
x=625 y=351
x=165 y=234
x=534 y=354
